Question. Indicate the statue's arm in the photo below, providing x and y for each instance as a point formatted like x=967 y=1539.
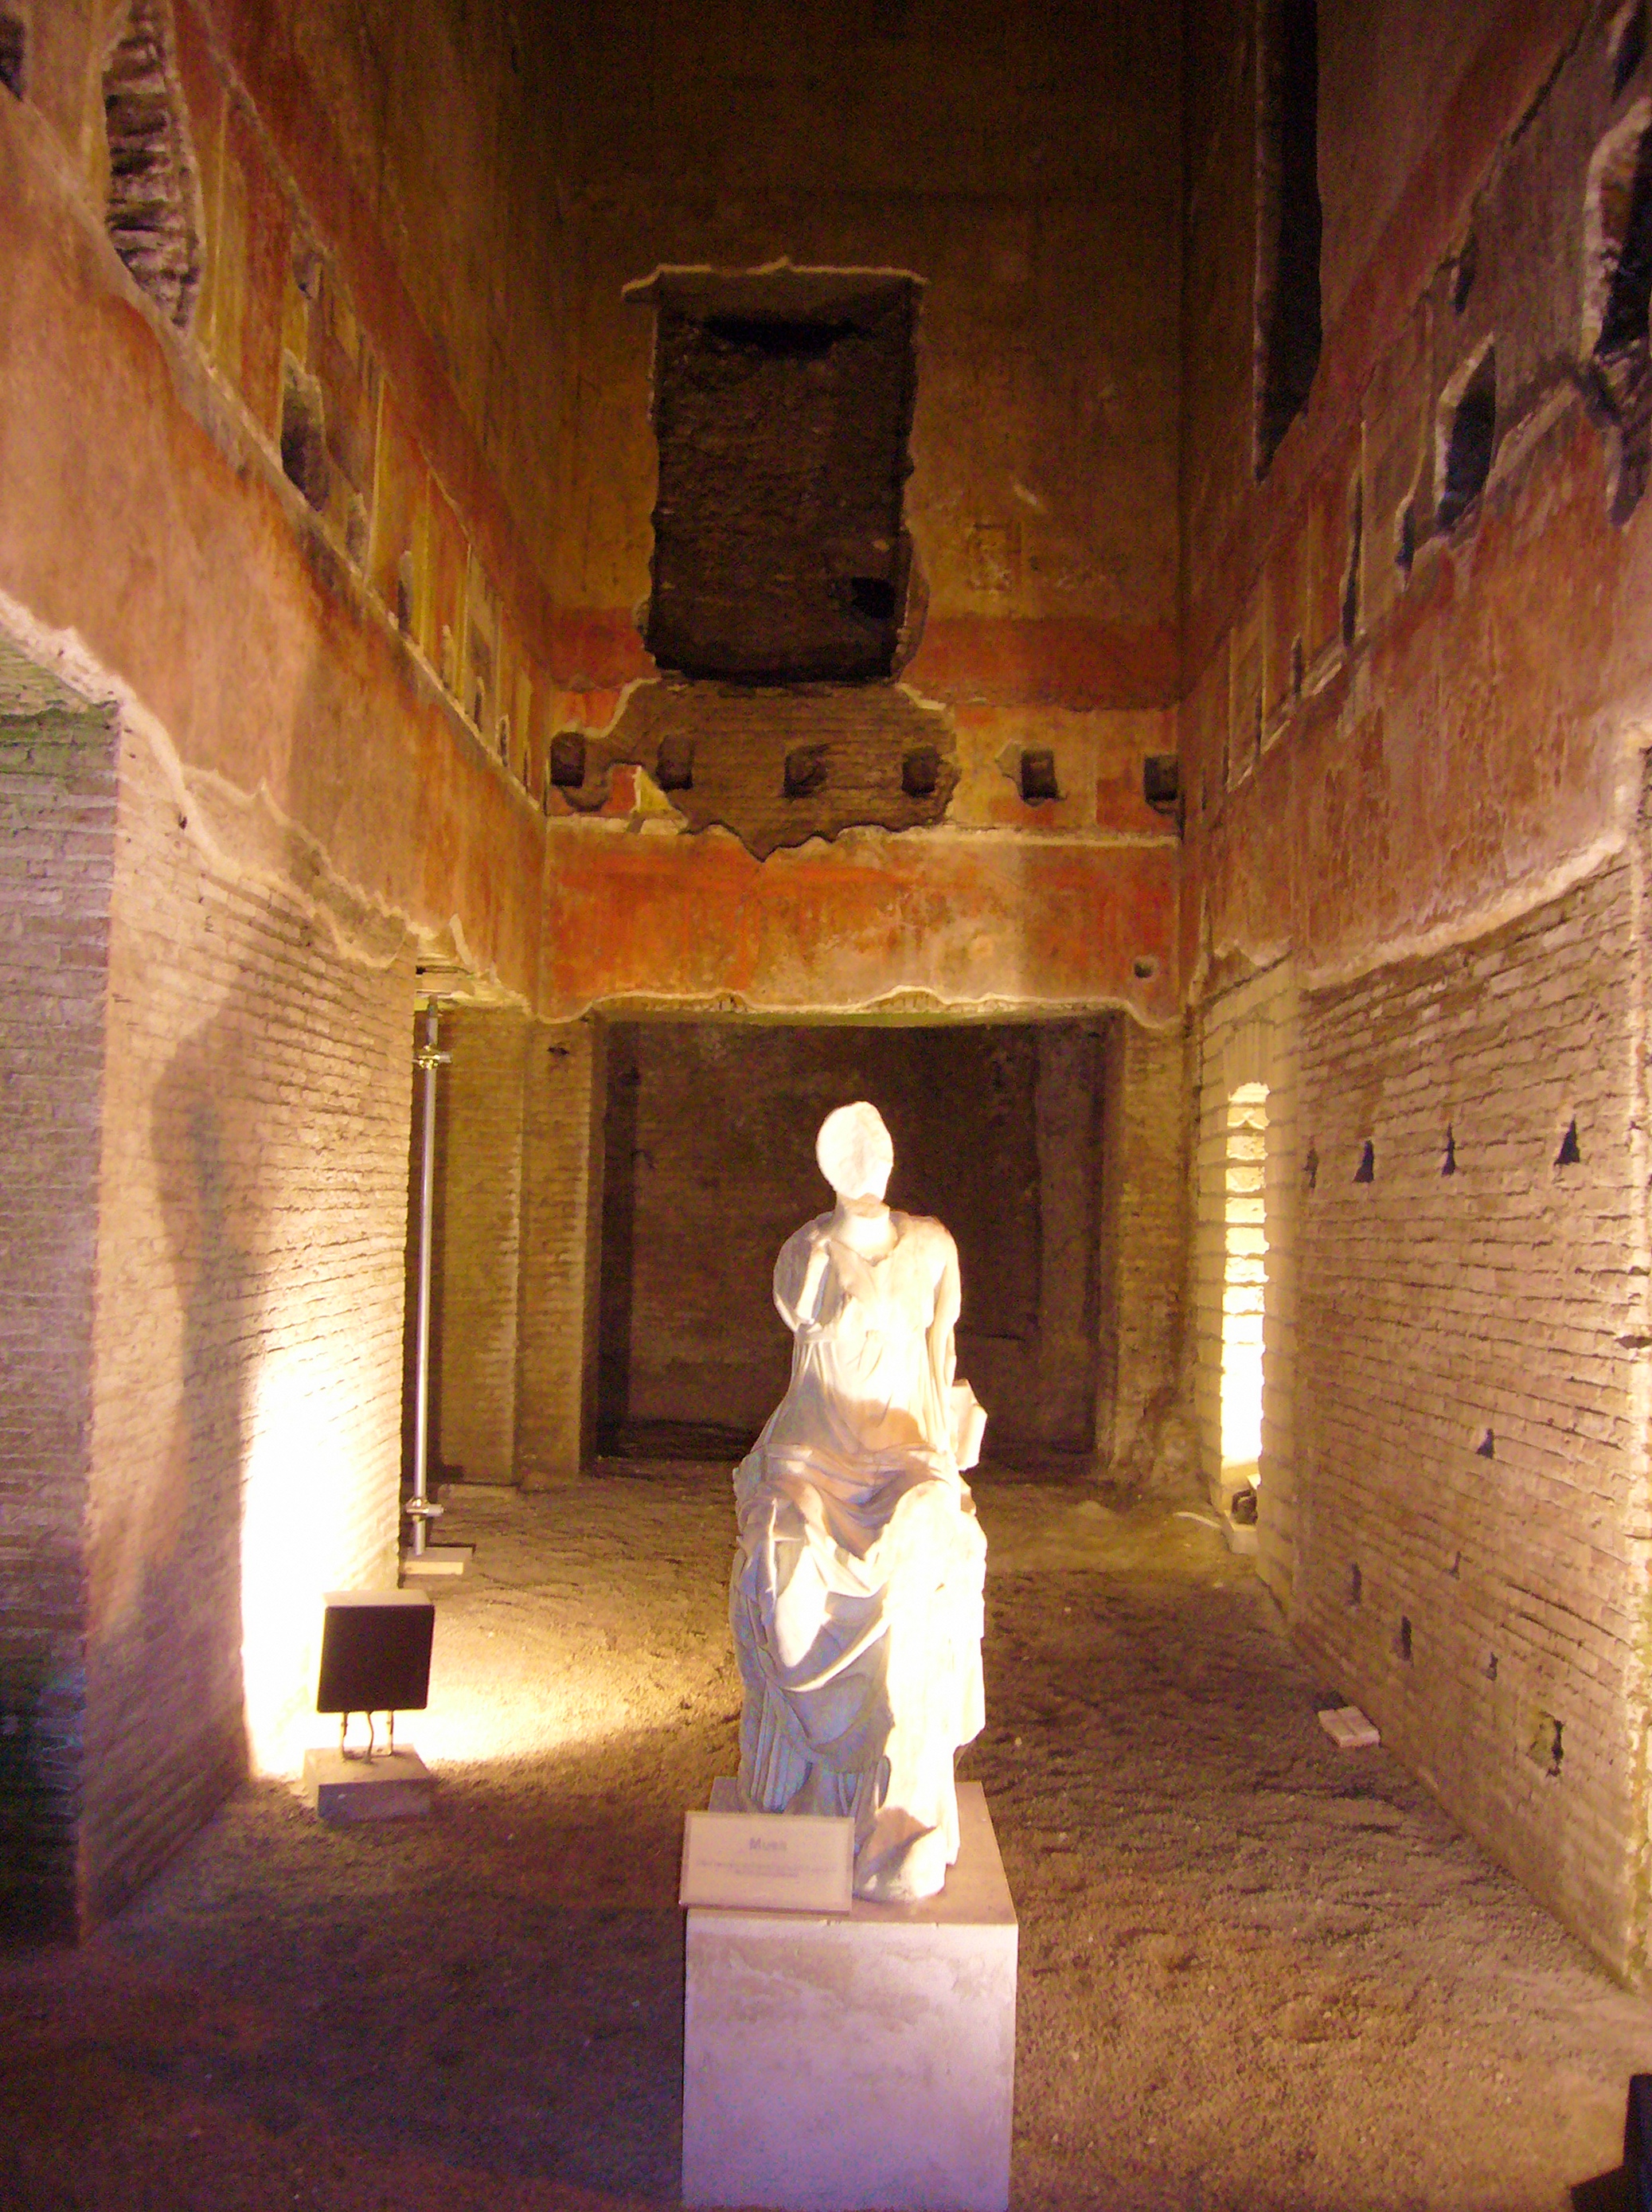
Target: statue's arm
x=948 y=1301
x=797 y=1295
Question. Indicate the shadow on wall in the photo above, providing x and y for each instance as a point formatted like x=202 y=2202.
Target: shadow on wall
x=166 y=1734
x=249 y=1315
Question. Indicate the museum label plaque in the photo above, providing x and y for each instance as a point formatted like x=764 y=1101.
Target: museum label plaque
x=768 y=1861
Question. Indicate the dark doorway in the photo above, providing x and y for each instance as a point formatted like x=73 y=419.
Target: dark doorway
x=710 y=1167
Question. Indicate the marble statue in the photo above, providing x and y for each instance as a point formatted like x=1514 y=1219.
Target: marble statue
x=856 y=1593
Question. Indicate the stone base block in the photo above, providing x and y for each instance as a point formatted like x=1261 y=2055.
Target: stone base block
x=435 y=1559
x=837 y=2063
x=397 y=1787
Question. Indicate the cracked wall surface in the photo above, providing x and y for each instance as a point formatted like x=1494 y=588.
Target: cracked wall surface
x=1471 y=1433
x=349 y=522
x=1416 y=687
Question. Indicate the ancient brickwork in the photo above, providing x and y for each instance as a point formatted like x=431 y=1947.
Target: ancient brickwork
x=1410 y=604
x=1144 y=1241
x=1249 y=1040
x=515 y=1258
x=246 y=1452
x=1470 y=1429
x=479 y=1180
x=299 y=435
x=561 y=1213
x=57 y=845
x=782 y=405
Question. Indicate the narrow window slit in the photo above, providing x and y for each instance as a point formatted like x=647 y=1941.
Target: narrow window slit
x=1628 y=45
x=1405 y=545
x=1350 y=608
x=1288 y=220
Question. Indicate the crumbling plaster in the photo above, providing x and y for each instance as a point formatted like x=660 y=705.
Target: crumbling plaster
x=1467 y=745
x=133 y=496
x=1412 y=746
x=340 y=682
x=392 y=701
x=1033 y=183
x=984 y=923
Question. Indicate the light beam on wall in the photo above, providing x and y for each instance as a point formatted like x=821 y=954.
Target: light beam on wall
x=304 y=1497
x=1244 y=1277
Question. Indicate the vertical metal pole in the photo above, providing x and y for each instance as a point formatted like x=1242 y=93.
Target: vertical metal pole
x=429 y=1059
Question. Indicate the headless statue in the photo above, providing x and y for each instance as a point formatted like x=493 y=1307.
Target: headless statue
x=856 y=1594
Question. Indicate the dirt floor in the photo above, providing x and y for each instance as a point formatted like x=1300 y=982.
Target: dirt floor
x=1255 y=1972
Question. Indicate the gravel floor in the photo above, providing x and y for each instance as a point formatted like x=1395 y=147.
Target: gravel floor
x=1255 y=1972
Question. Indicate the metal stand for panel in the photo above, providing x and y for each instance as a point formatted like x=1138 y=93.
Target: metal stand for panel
x=421 y=1558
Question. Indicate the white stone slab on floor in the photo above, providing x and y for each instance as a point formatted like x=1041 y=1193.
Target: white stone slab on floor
x=838 y=2062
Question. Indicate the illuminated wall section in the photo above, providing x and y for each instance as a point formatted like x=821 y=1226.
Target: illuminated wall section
x=245 y=1451
x=1244 y=1277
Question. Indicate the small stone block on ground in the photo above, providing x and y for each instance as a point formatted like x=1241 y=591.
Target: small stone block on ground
x=1349 y=1729
x=835 y=2062
x=435 y=1559
x=395 y=1785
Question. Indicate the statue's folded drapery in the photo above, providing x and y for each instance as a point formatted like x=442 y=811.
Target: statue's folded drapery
x=856 y=1597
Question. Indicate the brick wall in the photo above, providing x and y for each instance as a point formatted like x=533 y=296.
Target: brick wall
x=514 y=1261
x=1144 y=1236
x=1472 y=1554
x=248 y=1322
x=1249 y=1036
x=56 y=841
x=479 y=1170
x=561 y=1217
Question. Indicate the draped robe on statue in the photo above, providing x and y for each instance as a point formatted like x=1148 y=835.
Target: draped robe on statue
x=856 y=1595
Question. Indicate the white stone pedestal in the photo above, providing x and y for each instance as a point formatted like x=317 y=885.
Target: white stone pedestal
x=831 y=2064
x=396 y=1785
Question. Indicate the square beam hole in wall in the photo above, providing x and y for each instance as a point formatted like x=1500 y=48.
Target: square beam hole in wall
x=568 y=760
x=1037 y=777
x=674 y=763
x=782 y=405
x=920 y=772
x=807 y=771
x=1161 y=783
